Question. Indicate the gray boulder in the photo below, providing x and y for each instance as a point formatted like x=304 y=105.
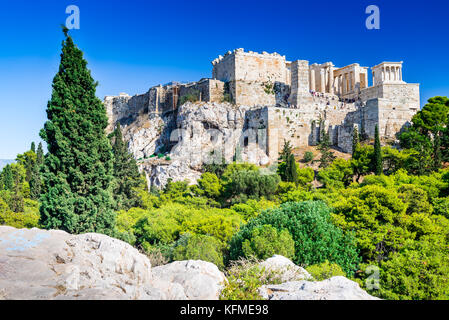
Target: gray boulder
x=285 y=269
x=54 y=265
x=38 y=264
x=189 y=280
x=336 y=288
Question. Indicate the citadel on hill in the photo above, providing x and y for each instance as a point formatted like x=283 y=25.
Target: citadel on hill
x=288 y=100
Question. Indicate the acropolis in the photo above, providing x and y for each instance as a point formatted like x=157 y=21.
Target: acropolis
x=292 y=100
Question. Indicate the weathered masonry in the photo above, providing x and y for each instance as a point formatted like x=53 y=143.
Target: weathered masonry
x=296 y=99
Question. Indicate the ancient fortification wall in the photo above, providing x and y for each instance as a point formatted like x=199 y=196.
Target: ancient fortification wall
x=289 y=100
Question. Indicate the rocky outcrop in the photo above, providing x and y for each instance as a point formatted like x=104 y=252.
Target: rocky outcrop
x=285 y=269
x=190 y=136
x=37 y=264
x=189 y=280
x=336 y=288
x=54 y=265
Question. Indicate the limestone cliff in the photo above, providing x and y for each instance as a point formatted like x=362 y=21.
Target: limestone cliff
x=193 y=135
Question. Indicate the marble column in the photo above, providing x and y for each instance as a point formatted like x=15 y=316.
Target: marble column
x=323 y=80
x=331 y=80
x=312 y=79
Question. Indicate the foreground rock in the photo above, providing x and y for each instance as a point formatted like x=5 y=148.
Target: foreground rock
x=189 y=280
x=53 y=265
x=285 y=269
x=336 y=288
x=37 y=264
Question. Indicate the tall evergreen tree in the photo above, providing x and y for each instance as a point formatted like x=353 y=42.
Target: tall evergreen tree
x=78 y=168
x=327 y=156
x=33 y=147
x=127 y=176
x=7 y=178
x=36 y=179
x=377 y=157
x=291 y=171
x=355 y=140
x=437 y=152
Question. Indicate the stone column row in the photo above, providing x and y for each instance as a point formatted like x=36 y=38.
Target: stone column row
x=391 y=73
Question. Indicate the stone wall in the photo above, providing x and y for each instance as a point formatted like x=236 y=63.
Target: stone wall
x=208 y=90
x=252 y=76
x=124 y=108
x=300 y=86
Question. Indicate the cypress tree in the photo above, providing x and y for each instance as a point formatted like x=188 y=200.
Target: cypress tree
x=7 y=178
x=437 y=154
x=33 y=147
x=327 y=156
x=36 y=179
x=126 y=173
x=291 y=170
x=377 y=157
x=355 y=140
x=78 y=168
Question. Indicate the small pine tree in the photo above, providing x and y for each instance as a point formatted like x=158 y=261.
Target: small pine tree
x=126 y=173
x=327 y=156
x=377 y=157
x=286 y=151
x=78 y=168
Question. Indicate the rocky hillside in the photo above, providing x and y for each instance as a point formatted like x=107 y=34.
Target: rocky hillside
x=54 y=265
x=201 y=128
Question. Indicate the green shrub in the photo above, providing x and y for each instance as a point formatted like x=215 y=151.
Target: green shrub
x=316 y=238
x=325 y=271
x=249 y=184
x=418 y=272
x=245 y=277
x=164 y=225
x=29 y=218
x=266 y=241
x=441 y=206
x=308 y=156
x=192 y=96
x=210 y=185
x=199 y=247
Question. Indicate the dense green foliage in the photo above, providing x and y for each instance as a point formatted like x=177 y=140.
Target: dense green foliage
x=325 y=270
x=266 y=241
x=199 y=247
x=377 y=157
x=316 y=238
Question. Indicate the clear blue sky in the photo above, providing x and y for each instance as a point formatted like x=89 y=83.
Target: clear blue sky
x=133 y=45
